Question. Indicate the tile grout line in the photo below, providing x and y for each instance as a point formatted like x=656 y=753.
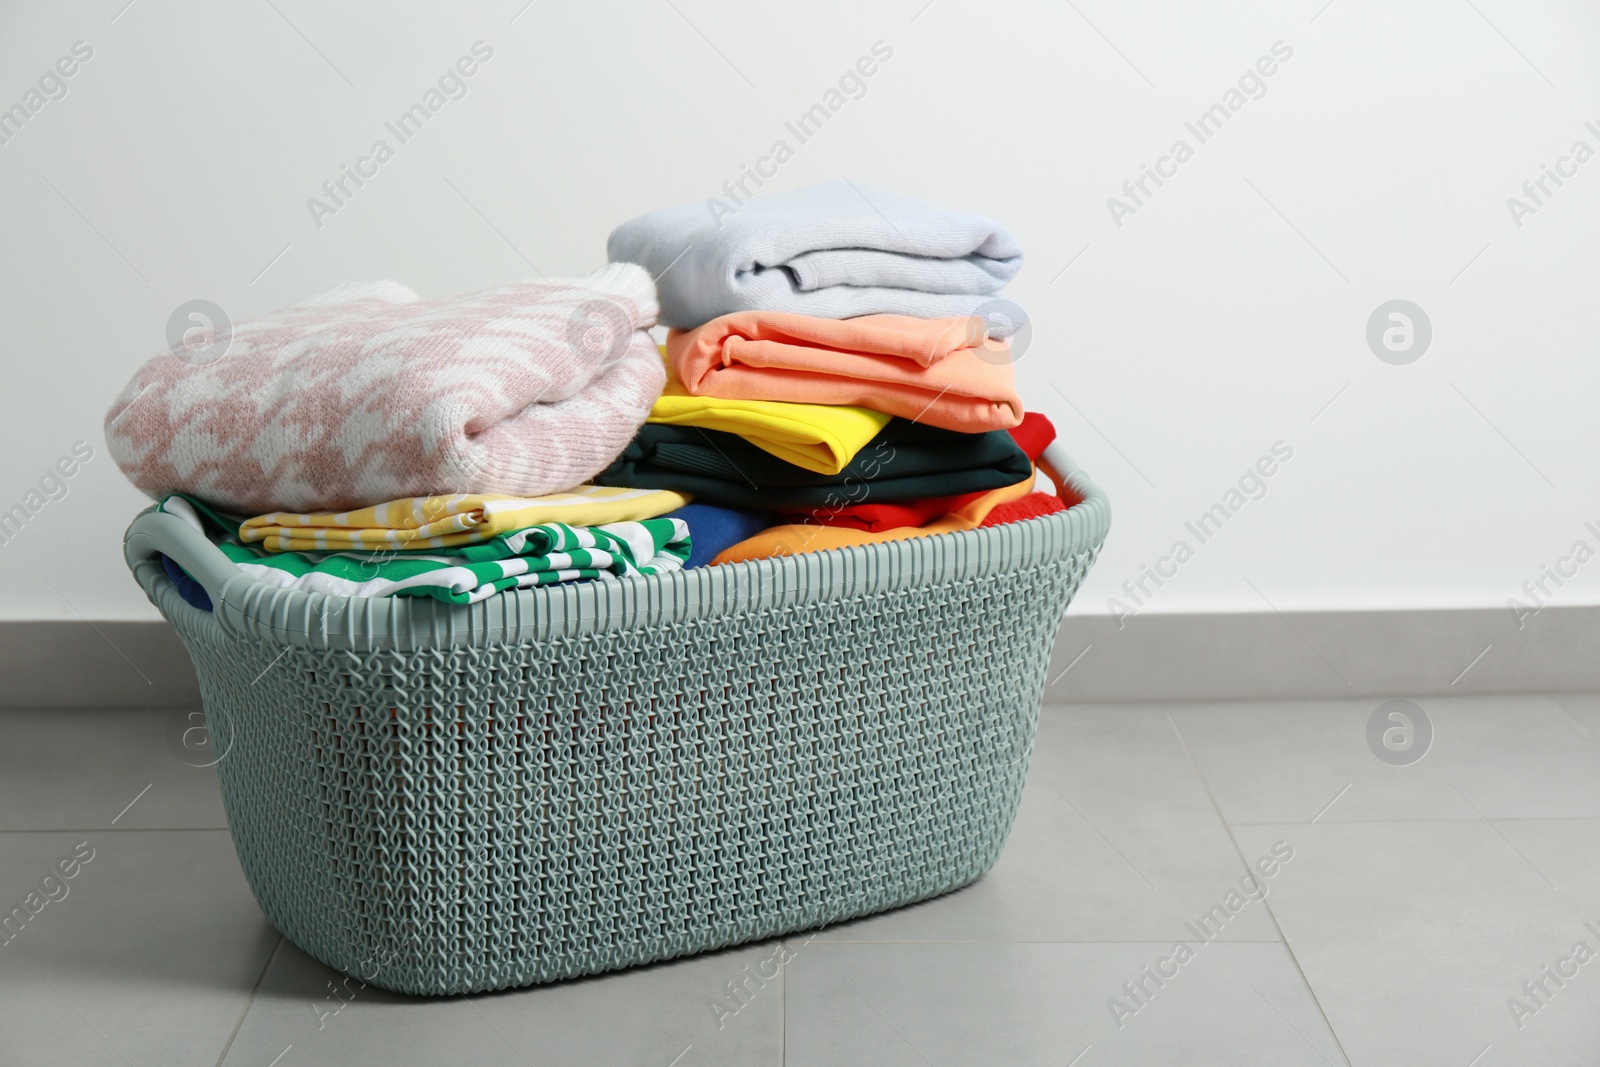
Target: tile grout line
x=1074 y=941
x=79 y=1013
x=1283 y=938
x=1426 y=821
x=1259 y=700
x=920 y=1055
x=120 y=830
x=248 y=1004
x=1504 y=838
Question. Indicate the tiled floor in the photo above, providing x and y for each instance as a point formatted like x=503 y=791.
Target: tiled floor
x=1406 y=907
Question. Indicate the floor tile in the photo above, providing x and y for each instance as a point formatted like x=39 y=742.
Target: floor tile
x=1565 y=851
x=1490 y=756
x=1415 y=935
x=1115 y=840
x=1585 y=708
x=149 y=957
x=1017 y=1004
x=658 y=1015
x=73 y=770
x=1413 y=929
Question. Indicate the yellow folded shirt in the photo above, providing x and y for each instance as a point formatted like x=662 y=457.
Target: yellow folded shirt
x=419 y=522
x=819 y=437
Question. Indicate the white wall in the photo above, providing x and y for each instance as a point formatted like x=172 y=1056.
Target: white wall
x=1189 y=339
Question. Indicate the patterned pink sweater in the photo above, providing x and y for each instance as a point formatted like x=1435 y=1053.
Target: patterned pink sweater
x=368 y=393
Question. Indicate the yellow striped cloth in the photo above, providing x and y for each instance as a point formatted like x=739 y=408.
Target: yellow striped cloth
x=419 y=522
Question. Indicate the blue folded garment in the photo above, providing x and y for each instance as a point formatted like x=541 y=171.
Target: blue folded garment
x=193 y=593
x=835 y=250
x=712 y=529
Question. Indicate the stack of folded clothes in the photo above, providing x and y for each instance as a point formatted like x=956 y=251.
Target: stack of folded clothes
x=829 y=379
x=409 y=447
x=832 y=380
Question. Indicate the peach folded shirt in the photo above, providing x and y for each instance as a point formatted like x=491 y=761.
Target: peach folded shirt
x=941 y=372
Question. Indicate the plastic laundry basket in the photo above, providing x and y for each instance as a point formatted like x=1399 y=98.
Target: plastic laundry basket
x=571 y=779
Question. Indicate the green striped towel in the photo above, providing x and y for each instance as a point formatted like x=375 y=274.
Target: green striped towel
x=538 y=555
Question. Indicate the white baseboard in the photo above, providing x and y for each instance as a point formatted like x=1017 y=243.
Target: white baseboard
x=1263 y=655
x=77 y=664
x=1233 y=656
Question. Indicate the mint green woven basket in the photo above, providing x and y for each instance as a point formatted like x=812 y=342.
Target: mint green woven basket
x=565 y=780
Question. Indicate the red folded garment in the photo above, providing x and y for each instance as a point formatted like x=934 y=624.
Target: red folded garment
x=1033 y=436
x=1032 y=506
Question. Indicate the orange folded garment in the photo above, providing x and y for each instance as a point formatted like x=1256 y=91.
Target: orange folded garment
x=942 y=372
x=805 y=537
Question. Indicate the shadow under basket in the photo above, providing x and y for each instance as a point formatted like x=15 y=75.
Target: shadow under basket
x=559 y=781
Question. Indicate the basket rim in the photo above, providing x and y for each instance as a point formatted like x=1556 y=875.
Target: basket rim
x=245 y=607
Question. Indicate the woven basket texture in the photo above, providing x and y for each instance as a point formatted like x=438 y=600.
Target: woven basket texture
x=569 y=780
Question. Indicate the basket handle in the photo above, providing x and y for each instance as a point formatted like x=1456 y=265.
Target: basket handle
x=155 y=532
x=1071 y=484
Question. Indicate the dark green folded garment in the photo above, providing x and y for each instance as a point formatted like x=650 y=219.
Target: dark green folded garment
x=906 y=461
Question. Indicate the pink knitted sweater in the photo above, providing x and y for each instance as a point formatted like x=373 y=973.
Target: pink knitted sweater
x=369 y=393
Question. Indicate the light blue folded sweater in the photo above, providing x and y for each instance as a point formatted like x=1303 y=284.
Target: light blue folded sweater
x=834 y=250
